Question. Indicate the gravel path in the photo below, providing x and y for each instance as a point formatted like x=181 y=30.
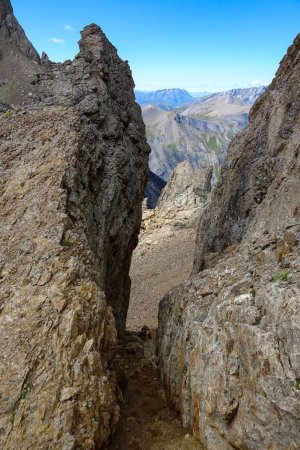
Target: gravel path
x=161 y=261
x=146 y=422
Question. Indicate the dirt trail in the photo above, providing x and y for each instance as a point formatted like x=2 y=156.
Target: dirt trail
x=161 y=261
x=146 y=421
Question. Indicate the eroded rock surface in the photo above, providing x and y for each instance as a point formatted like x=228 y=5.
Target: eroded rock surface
x=73 y=170
x=164 y=255
x=181 y=199
x=187 y=187
x=229 y=337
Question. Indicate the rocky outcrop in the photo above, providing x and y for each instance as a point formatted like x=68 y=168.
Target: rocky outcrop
x=264 y=149
x=73 y=170
x=164 y=255
x=181 y=199
x=187 y=187
x=229 y=337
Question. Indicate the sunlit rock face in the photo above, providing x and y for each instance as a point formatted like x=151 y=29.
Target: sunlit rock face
x=180 y=202
x=73 y=170
x=229 y=337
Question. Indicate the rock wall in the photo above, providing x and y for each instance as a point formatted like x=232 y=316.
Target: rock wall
x=73 y=169
x=229 y=337
x=255 y=161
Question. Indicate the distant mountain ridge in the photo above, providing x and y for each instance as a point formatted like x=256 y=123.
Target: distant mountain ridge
x=164 y=98
x=197 y=131
x=246 y=95
x=169 y=99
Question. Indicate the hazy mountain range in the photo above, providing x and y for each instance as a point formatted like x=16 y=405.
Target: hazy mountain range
x=165 y=98
x=197 y=130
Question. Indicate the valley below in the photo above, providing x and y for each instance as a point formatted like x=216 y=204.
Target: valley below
x=197 y=130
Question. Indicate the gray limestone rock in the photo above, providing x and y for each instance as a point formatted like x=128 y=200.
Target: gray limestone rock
x=180 y=201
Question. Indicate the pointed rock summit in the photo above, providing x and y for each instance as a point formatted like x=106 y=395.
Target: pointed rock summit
x=187 y=187
x=11 y=31
x=19 y=60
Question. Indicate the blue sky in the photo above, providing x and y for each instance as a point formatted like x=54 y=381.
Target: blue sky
x=199 y=45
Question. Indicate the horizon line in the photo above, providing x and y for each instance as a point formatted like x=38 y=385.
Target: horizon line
x=201 y=90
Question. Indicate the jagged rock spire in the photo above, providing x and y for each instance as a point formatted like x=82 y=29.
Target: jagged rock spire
x=19 y=60
x=12 y=32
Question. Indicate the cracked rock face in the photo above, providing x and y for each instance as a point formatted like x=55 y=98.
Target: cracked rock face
x=73 y=169
x=229 y=337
